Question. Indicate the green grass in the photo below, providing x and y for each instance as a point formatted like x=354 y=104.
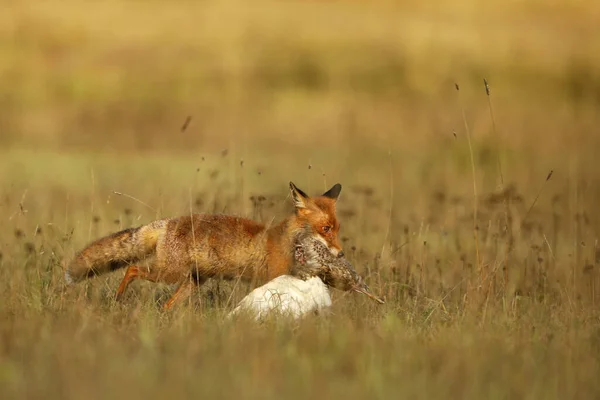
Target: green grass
x=136 y=352
x=450 y=328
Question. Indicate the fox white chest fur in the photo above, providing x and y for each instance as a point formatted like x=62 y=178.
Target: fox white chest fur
x=287 y=295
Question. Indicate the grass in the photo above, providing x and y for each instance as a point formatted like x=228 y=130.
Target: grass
x=447 y=329
x=93 y=104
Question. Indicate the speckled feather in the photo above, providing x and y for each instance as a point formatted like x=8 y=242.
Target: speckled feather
x=307 y=289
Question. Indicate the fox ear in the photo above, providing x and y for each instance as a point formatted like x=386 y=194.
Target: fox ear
x=300 y=198
x=334 y=192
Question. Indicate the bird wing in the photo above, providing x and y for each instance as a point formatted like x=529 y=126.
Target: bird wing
x=286 y=295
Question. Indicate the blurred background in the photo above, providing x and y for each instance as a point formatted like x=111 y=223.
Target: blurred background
x=114 y=113
x=331 y=79
x=204 y=106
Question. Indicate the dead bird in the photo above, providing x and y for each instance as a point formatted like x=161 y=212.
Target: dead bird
x=314 y=259
x=307 y=289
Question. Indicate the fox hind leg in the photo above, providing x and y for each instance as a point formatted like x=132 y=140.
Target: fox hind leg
x=185 y=290
x=134 y=272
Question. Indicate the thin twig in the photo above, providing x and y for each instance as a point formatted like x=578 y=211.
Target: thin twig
x=475 y=196
x=537 y=197
x=135 y=199
x=387 y=230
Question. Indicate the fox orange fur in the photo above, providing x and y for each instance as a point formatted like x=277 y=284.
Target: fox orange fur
x=190 y=249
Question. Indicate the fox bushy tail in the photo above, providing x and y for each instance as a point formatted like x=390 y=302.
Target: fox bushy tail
x=115 y=251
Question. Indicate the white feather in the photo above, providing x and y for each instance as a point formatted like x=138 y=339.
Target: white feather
x=68 y=277
x=286 y=295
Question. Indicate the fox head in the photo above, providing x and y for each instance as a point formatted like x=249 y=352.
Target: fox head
x=317 y=217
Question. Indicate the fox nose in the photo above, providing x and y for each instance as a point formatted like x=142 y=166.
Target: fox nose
x=340 y=254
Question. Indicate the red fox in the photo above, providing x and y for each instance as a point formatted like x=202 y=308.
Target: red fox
x=190 y=249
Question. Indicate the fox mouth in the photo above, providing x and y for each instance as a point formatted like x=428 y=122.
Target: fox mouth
x=367 y=293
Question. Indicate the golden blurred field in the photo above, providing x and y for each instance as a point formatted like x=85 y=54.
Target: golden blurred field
x=203 y=106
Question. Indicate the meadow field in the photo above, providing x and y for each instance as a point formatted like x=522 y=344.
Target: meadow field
x=472 y=209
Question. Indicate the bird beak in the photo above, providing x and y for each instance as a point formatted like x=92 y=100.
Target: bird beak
x=365 y=290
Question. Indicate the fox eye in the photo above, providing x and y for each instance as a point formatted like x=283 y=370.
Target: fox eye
x=326 y=229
